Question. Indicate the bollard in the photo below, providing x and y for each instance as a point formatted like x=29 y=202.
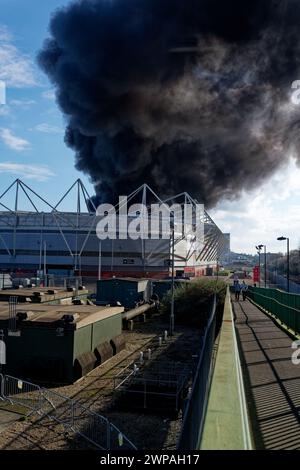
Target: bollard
x=160 y=341
x=141 y=357
x=149 y=353
x=130 y=325
x=166 y=335
x=135 y=369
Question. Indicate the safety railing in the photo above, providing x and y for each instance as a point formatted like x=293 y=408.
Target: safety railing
x=194 y=415
x=57 y=407
x=284 y=306
x=21 y=392
x=118 y=440
x=91 y=426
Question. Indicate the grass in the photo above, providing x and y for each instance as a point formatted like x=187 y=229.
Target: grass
x=192 y=301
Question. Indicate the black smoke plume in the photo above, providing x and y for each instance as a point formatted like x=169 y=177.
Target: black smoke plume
x=185 y=95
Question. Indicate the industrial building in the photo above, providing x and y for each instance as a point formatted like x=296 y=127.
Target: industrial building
x=58 y=343
x=37 y=237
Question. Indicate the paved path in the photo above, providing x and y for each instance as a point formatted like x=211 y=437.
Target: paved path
x=272 y=380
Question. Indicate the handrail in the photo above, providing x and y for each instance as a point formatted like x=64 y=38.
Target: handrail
x=277 y=301
x=285 y=313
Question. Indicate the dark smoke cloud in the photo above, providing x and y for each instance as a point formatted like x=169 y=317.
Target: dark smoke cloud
x=211 y=120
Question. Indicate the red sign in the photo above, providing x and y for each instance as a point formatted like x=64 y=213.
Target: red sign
x=189 y=269
x=256 y=274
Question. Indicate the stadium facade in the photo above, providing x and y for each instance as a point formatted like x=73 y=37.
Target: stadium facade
x=44 y=238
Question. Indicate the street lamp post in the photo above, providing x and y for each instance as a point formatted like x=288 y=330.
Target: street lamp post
x=287 y=260
x=265 y=253
x=173 y=266
x=259 y=248
x=258 y=252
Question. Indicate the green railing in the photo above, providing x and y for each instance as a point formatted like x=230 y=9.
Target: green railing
x=284 y=306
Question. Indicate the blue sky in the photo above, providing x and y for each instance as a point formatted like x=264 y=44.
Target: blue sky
x=31 y=125
x=32 y=146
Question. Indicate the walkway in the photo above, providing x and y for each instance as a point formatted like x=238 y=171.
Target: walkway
x=272 y=381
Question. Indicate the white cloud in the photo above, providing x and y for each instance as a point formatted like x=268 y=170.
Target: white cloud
x=48 y=128
x=12 y=141
x=33 y=172
x=22 y=103
x=5 y=35
x=262 y=215
x=49 y=95
x=16 y=68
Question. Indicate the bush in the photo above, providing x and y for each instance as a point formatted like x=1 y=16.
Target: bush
x=193 y=300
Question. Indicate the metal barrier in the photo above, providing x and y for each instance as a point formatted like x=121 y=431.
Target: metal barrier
x=92 y=426
x=194 y=415
x=284 y=306
x=117 y=440
x=21 y=392
x=1 y=387
x=57 y=407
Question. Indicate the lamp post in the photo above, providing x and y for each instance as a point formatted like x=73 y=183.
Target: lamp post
x=172 y=224
x=258 y=252
x=259 y=248
x=287 y=259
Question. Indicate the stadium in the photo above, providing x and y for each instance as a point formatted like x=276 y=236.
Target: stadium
x=38 y=237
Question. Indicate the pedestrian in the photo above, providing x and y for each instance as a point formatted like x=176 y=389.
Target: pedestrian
x=237 y=290
x=244 y=288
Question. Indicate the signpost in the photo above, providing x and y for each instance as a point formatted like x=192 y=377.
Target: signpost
x=256 y=274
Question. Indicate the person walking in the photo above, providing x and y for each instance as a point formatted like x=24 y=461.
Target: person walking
x=237 y=290
x=244 y=289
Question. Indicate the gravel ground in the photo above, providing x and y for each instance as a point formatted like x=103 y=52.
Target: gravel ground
x=95 y=391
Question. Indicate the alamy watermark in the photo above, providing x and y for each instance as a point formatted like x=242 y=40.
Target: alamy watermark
x=296 y=353
x=157 y=221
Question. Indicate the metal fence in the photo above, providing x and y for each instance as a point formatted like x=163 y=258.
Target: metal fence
x=285 y=306
x=91 y=426
x=57 y=407
x=21 y=392
x=195 y=410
